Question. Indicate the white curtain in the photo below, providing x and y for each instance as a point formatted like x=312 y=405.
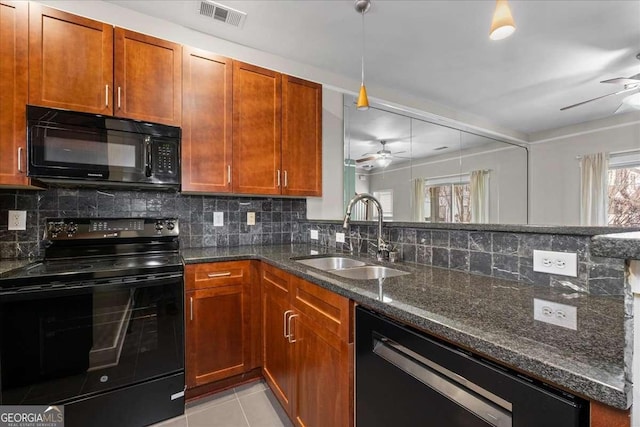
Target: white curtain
x=594 y=200
x=417 y=200
x=479 y=196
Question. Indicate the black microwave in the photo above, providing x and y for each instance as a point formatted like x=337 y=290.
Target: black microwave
x=68 y=147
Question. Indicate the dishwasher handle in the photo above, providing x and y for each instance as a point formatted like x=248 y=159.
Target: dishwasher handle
x=419 y=367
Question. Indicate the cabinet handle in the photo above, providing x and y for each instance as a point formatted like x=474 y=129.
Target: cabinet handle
x=290 y=337
x=106 y=96
x=278 y=177
x=191 y=304
x=286 y=180
x=225 y=274
x=285 y=323
x=20 y=159
x=228 y=174
x=118 y=97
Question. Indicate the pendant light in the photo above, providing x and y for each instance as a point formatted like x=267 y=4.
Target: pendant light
x=502 y=24
x=362 y=6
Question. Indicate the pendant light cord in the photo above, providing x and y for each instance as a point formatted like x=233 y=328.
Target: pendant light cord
x=363 y=46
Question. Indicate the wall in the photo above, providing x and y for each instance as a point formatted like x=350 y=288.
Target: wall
x=508 y=180
x=554 y=195
x=276 y=218
x=329 y=206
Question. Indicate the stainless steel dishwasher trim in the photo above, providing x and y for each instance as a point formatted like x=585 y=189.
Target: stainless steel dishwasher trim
x=418 y=367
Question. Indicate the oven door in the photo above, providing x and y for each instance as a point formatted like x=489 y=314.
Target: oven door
x=59 y=343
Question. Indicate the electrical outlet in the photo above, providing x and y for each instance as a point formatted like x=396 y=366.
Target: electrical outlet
x=218 y=219
x=563 y=263
x=314 y=234
x=17 y=220
x=555 y=313
x=339 y=237
x=251 y=218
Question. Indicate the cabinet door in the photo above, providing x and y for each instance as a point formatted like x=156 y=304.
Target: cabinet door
x=322 y=375
x=277 y=367
x=70 y=61
x=13 y=87
x=206 y=122
x=256 y=129
x=216 y=335
x=148 y=78
x=301 y=137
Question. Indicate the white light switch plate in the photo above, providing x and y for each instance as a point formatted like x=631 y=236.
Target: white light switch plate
x=314 y=234
x=218 y=219
x=339 y=237
x=251 y=218
x=17 y=220
x=555 y=313
x=563 y=263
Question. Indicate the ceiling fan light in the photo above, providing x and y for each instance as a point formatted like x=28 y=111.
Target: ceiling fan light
x=383 y=162
x=502 y=24
x=363 y=100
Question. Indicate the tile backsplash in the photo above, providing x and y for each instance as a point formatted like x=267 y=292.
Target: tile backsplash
x=499 y=254
x=276 y=218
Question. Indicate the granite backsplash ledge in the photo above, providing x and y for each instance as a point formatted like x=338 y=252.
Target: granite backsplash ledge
x=501 y=254
x=276 y=218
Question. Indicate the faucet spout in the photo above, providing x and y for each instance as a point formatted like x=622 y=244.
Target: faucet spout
x=382 y=245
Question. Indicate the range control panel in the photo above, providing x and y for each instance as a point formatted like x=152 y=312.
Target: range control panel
x=110 y=228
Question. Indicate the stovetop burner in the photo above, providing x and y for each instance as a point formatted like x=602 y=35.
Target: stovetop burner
x=57 y=267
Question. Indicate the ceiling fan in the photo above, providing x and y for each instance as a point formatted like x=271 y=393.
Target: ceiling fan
x=629 y=84
x=382 y=157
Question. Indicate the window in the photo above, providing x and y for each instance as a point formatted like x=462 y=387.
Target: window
x=624 y=189
x=386 y=200
x=447 y=200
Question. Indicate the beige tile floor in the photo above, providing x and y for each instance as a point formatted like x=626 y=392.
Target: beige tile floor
x=249 y=405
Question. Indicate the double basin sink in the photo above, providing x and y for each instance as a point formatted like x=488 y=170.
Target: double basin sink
x=350 y=268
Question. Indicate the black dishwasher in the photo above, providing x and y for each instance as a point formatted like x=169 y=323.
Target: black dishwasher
x=405 y=378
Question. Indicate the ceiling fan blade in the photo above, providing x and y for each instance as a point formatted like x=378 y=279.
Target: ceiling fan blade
x=398 y=152
x=600 y=97
x=624 y=80
x=366 y=159
x=369 y=154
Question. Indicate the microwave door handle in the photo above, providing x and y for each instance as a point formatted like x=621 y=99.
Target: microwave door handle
x=149 y=160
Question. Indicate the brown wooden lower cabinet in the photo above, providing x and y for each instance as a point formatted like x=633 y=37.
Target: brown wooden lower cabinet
x=606 y=416
x=222 y=318
x=307 y=349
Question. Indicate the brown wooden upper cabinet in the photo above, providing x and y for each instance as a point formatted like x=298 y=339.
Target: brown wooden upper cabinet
x=13 y=89
x=84 y=65
x=277 y=133
x=206 y=122
x=257 y=118
x=301 y=137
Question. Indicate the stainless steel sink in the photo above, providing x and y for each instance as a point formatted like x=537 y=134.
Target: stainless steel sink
x=331 y=262
x=368 y=272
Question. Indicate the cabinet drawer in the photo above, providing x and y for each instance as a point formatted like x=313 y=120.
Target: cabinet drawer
x=201 y=276
x=328 y=309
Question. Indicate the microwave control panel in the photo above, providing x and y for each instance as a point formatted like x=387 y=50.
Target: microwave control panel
x=165 y=159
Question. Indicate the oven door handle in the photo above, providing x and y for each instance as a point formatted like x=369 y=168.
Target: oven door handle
x=148 y=167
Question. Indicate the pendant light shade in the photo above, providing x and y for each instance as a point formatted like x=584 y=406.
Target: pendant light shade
x=502 y=24
x=362 y=6
x=363 y=100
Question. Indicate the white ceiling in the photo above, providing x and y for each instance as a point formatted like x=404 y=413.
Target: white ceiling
x=440 y=50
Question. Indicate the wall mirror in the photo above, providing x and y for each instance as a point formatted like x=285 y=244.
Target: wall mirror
x=423 y=171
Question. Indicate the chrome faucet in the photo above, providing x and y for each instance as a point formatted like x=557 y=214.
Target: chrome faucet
x=383 y=247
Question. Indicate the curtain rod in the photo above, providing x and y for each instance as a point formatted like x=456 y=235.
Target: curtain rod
x=615 y=153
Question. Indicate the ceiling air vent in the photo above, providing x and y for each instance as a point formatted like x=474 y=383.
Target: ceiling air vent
x=222 y=13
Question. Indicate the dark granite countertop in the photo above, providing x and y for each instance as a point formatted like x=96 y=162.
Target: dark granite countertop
x=617 y=245
x=490 y=316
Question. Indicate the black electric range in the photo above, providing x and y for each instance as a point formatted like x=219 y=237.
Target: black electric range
x=98 y=325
